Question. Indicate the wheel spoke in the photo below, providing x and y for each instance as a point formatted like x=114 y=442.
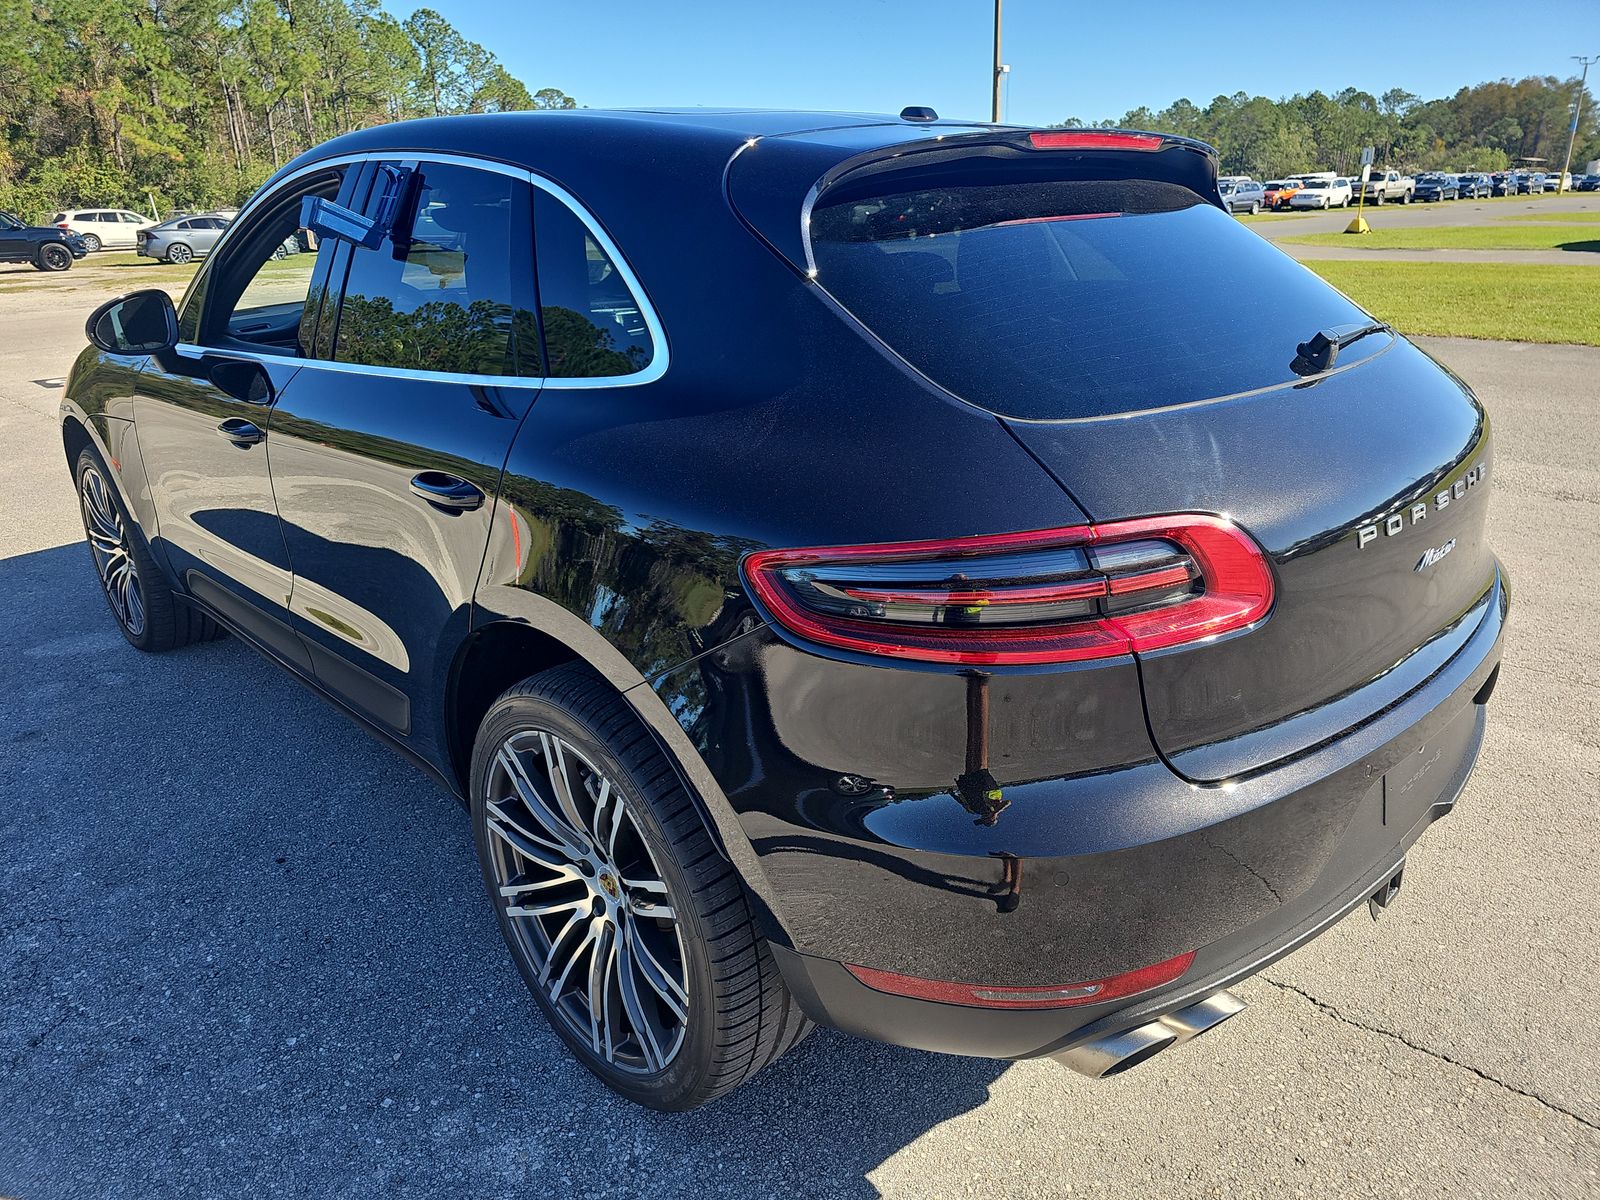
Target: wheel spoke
x=108 y=543
x=522 y=885
x=556 y=765
x=549 y=908
x=600 y=965
x=607 y=812
x=633 y=1005
x=608 y=976
x=641 y=893
x=655 y=974
x=555 y=826
x=586 y=942
x=559 y=950
x=529 y=844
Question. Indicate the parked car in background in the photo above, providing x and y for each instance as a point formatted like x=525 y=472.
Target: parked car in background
x=1322 y=193
x=1558 y=181
x=1243 y=195
x=1586 y=183
x=1530 y=184
x=1151 y=664
x=1437 y=187
x=1474 y=187
x=47 y=247
x=1278 y=196
x=1389 y=187
x=103 y=228
x=182 y=240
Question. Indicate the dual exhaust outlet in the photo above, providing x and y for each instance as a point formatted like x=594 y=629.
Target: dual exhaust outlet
x=1113 y=1053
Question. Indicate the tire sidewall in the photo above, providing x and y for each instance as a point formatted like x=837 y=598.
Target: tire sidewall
x=54 y=257
x=687 y=1074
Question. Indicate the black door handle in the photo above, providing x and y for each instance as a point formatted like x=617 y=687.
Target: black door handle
x=446 y=491
x=241 y=432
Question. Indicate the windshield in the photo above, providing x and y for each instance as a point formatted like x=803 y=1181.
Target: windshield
x=7 y=221
x=1075 y=298
x=1317 y=183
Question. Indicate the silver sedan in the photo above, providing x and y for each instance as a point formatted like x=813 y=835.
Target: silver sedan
x=182 y=239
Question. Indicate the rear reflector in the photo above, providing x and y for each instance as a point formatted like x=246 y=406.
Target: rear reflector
x=1085 y=139
x=980 y=995
x=1044 y=596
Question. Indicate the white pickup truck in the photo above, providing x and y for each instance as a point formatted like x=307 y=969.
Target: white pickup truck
x=1389 y=187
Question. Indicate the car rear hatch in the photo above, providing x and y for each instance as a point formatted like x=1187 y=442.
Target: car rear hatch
x=1086 y=287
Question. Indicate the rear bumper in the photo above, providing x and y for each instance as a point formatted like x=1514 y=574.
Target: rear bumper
x=1308 y=843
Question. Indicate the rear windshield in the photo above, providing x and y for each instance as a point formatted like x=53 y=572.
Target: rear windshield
x=1052 y=300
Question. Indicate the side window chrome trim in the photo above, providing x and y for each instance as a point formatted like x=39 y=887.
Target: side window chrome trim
x=659 y=359
x=348 y=368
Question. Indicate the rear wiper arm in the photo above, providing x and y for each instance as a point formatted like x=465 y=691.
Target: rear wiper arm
x=1318 y=355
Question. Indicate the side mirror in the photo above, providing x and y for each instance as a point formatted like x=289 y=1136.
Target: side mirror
x=138 y=323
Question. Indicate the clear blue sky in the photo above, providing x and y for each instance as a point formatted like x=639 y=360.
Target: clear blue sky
x=1090 y=60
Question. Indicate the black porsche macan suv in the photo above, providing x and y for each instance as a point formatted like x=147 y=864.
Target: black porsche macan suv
x=852 y=567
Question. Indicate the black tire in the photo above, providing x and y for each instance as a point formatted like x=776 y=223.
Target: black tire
x=164 y=621
x=53 y=257
x=739 y=1016
x=1254 y=208
x=91 y=242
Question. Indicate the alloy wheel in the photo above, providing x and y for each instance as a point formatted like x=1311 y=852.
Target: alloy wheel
x=91 y=242
x=179 y=253
x=55 y=258
x=113 y=556
x=589 y=910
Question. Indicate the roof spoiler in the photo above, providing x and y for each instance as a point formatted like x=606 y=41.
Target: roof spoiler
x=786 y=178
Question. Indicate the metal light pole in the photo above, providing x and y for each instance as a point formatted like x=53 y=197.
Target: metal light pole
x=999 y=70
x=1572 y=134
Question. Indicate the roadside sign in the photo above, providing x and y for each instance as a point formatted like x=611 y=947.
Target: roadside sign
x=1359 y=225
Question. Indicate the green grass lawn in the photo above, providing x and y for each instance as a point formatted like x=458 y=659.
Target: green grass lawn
x=1497 y=236
x=1589 y=215
x=1478 y=300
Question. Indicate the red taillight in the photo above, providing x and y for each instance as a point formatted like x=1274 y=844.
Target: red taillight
x=63 y=225
x=1094 y=139
x=1045 y=596
x=981 y=995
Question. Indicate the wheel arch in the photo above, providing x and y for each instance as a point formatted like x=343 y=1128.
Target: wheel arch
x=539 y=634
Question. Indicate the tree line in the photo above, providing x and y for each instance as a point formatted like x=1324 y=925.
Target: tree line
x=193 y=103
x=1487 y=127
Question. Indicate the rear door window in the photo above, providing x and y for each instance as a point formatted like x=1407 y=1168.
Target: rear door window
x=594 y=326
x=1078 y=298
x=449 y=291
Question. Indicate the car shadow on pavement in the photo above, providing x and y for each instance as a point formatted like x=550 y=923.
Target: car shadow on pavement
x=244 y=947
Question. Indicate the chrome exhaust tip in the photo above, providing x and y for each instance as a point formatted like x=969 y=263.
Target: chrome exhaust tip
x=1202 y=1016
x=1103 y=1057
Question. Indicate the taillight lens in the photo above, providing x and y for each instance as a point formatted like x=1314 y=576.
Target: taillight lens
x=1045 y=596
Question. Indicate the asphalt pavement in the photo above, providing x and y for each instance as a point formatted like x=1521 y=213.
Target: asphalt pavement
x=244 y=949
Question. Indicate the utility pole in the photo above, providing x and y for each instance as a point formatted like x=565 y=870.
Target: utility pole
x=1572 y=134
x=999 y=69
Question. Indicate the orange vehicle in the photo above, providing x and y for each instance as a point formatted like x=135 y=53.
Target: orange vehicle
x=1279 y=192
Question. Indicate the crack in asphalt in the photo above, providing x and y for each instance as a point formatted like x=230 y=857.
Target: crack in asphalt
x=1332 y=1011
